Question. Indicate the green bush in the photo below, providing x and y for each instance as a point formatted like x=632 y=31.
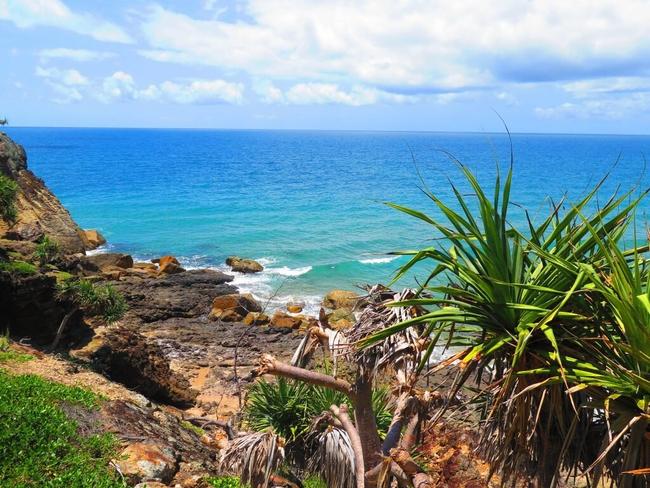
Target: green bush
x=46 y=251
x=41 y=446
x=102 y=300
x=8 y=195
x=225 y=482
x=18 y=267
x=288 y=407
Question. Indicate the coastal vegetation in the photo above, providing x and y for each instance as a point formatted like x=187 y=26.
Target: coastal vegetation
x=548 y=327
x=47 y=250
x=41 y=446
x=8 y=195
x=96 y=299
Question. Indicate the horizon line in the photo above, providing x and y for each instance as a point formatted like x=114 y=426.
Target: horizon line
x=232 y=129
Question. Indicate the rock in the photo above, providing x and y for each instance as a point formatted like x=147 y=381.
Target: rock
x=341 y=318
x=127 y=357
x=242 y=265
x=106 y=260
x=340 y=299
x=113 y=272
x=25 y=248
x=233 y=307
x=170 y=267
x=151 y=484
x=147 y=462
x=257 y=318
x=166 y=259
x=295 y=307
x=39 y=211
x=147 y=266
x=93 y=239
x=285 y=321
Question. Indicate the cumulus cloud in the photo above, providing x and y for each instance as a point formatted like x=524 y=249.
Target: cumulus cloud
x=55 y=13
x=411 y=47
x=79 y=55
x=71 y=86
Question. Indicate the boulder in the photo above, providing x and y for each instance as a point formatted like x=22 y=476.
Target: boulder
x=257 y=318
x=94 y=239
x=242 y=265
x=106 y=260
x=295 y=307
x=170 y=267
x=233 y=307
x=341 y=318
x=340 y=299
x=283 y=320
x=147 y=462
x=166 y=259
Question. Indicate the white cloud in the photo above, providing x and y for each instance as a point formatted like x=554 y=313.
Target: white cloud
x=71 y=86
x=54 y=13
x=69 y=77
x=320 y=93
x=79 y=55
x=411 y=46
x=607 y=108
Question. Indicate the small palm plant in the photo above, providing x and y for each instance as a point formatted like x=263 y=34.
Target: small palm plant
x=102 y=300
x=46 y=251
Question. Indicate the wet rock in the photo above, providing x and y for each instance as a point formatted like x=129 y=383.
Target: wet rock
x=340 y=299
x=242 y=265
x=164 y=260
x=93 y=239
x=170 y=267
x=148 y=462
x=295 y=307
x=233 y=307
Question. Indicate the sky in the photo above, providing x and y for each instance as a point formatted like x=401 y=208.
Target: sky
x=579 y=66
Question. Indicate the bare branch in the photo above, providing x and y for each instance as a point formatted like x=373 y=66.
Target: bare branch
x=341 y=413
x=269 y=365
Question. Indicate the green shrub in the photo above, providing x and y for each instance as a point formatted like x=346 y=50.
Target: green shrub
x=18 y=267
x=225 y=482
x=288 y=407
x=41 y=446
x=102 y=300
x=46 y=251
x=8 y=195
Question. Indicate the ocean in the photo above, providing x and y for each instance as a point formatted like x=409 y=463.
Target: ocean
x=307 y=204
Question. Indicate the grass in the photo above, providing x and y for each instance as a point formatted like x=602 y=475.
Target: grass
x=233 y=482
x=7 y=355
x=8 y=195
x=18 y=268
x=40 y=446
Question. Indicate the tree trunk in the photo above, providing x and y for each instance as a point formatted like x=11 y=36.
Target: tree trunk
x=61 y=328
x=364 y=418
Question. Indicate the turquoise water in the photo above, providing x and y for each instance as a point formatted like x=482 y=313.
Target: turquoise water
x=306 y=203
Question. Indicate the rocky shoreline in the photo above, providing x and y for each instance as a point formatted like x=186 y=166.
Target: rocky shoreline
x=189 y=338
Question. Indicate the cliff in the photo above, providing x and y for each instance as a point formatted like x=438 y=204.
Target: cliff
x=39 y=211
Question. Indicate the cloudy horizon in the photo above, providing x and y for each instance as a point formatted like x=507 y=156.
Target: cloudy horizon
x=544 y=66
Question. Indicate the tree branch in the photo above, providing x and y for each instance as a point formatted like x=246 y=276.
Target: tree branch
x=395 y=429
x=270 y=365
x=341 y=413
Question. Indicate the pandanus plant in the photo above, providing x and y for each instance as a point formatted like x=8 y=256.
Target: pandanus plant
x=522 y=309
x=346 y=443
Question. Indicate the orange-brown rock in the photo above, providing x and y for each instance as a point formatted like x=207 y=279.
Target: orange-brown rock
x=242 y=265
x=257 y=318
x=147 y=462
x=283 y=320
x=167 y=259
x=341 y=318
x=93 y=239
x=39 y=211
x=295 y=307
x=233 y=307
x=170 y=267
x=340 y=299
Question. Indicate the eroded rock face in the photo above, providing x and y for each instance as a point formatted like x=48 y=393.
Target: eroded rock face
x=108 y=260
x=39 y=211
x=94 y=239
x=129 y=358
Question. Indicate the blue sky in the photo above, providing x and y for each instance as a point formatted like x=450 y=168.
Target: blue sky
x=545 y=66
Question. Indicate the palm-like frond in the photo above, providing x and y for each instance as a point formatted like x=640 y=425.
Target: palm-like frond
x=332 y=458
x=253 y=457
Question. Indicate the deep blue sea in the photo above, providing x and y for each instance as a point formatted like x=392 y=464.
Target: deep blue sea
x=307 y=204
